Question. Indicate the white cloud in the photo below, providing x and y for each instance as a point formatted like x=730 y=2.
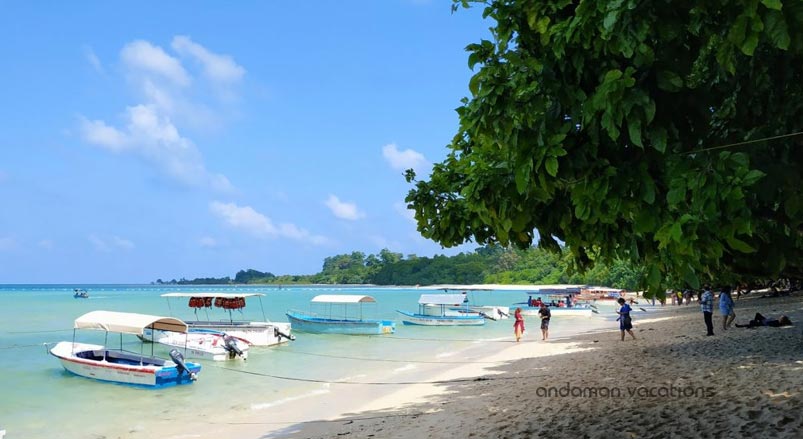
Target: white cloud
x=122 y=243
x=142 y=55
x=98 y=133
x=93 y=60
x=254 y=223
x=208 y=242
x=46 y=244
x=343 y=210
x=108 y=245
x=218 y=68
x=149 y=129
x=7 y=243
x=154 y=137
x=403 y=160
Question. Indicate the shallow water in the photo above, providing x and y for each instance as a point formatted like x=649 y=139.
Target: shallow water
x=40 y=399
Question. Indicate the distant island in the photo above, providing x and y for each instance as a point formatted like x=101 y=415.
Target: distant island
x=486 y=265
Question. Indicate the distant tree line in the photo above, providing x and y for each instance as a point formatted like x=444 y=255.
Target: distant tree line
x=490 y=264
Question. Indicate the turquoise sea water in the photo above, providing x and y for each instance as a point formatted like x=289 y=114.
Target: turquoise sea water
x=41 y=400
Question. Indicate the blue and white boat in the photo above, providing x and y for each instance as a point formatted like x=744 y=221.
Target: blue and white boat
x=118 y=365
x=443 y=310
x=343 y=314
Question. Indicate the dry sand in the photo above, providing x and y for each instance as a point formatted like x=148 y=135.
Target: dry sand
x=738 y=383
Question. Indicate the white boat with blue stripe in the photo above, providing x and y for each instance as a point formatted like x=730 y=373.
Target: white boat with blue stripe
x=443 y=310
x=118 y=365
x=342 y=314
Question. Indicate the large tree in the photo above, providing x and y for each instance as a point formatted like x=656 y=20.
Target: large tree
x=631 y=129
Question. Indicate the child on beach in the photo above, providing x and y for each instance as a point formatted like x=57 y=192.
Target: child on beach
x=518 y=326
x=625 y=322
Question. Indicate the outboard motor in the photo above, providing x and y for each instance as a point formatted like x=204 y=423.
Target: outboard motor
x=279 y=334
x=177 y=358
x=230 y=345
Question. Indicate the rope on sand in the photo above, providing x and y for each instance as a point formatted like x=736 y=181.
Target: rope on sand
x=377 y=383
x=386 y=360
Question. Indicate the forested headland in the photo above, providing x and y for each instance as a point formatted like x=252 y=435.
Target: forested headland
x=490 y=264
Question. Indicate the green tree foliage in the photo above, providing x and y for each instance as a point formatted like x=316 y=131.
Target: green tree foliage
x=605 y=125
x=252 y=276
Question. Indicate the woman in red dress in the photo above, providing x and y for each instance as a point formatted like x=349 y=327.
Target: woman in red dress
x=518 y=326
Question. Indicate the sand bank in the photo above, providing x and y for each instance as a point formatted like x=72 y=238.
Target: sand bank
x=672 y=381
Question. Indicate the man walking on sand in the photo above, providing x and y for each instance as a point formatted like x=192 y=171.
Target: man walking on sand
x=707 y=306
x=545 y=315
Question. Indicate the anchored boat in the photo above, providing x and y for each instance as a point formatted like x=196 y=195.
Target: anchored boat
x=256 y=333
x=205 y=344
x=344 y=315
x=443 y=310
x=118 y=365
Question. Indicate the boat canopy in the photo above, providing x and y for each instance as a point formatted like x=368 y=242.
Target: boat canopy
x=127 y=323
x=223 y=295
x=342 y=298
x=441 y=299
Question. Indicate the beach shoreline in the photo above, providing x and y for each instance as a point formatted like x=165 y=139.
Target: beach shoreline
x=671 y=381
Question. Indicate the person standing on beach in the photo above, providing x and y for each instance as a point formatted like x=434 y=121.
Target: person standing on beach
x=707 y=306
x=625 y=322
x=545 y=315
x=518 y=327
x=726 y=306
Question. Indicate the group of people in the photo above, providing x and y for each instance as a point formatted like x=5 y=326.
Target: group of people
x=706 y=300
x=543 y=313
x=726 y=309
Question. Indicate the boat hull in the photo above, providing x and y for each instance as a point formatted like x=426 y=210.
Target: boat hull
x=443 y=320
x=254 y=333
x=204 y=345
x=322 y=325
x=110 y=365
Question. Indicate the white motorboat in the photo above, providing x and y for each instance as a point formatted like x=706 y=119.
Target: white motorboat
x=118 y=365
x=256 y=333
x=205 y=344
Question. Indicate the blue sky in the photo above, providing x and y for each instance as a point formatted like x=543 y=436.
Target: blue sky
x=147 y=140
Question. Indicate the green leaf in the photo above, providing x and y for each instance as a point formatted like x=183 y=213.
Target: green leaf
x=658 y=139
x=669 y=81
x=753 y=176
x=645 y=221
x=634 y=129
x=649 y=189
x=654 y=275
x=776 y=29
x=739 y=245
x=690 y=276
x=523 y=176
x=675 y=196
x=750 y=44
x=551 y=165
x=772 y=4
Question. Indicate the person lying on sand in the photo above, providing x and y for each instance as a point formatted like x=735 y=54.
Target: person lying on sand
x=760 y=320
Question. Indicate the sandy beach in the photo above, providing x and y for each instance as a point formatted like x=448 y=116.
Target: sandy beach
x=672 y=381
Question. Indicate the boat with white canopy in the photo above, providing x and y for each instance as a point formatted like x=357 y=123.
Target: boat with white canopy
x=118 y=365
x=256 y=333
x=342 y=314
x=443 y=310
